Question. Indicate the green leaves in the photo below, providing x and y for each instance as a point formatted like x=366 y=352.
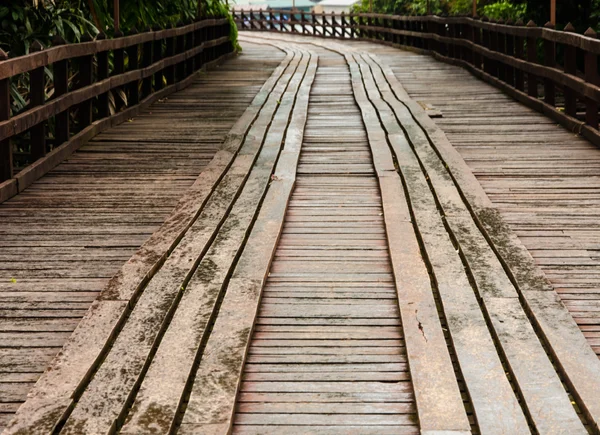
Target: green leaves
x=505 y=10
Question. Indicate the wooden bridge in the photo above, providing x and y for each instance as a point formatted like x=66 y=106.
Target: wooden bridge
x=339 y=235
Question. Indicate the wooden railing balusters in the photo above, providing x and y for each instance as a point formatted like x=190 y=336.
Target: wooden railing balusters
x=549 y=61
x=591 y=76
x=118 y=69
x=532 y=81
x=6 y=152
x=37 y=97
x=60 y=72
x=180 y=48
x=189 y=63
x=157 y=55
x=133 y=93
x=90 y=95
x=519 y=54
x=102 y=71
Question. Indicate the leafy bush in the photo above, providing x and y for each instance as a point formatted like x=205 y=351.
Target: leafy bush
x=505 y=10
x=21 y=24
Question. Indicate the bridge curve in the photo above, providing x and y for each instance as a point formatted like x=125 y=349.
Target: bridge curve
x=351 y=262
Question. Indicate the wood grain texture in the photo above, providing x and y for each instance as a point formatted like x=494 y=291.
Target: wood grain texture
x=306 y=343
x=82 y=221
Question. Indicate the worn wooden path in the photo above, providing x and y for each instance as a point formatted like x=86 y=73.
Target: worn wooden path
x=337 y=267
x=68 y=234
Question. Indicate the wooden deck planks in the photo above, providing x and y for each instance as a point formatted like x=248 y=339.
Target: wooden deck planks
x=540 y=311
x=83 y=220
x=305 y=340
x=541 y=177
x=351 y=316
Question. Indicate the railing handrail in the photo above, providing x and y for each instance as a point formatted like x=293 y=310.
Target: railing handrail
x=28 y=62
x=160 y=60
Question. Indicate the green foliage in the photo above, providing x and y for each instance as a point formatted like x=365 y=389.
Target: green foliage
x=21 y=24
x=504 y=10
x=145 y=13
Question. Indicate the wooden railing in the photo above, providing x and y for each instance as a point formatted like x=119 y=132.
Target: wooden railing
x=555 y=72
x=94 y=85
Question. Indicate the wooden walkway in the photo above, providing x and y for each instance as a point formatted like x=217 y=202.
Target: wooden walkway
x=64 y=237
x=543 y=178
x=336 y=268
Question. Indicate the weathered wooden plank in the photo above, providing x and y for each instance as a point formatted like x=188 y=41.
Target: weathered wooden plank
x=436 y=390
x=105 y=399
x=217 y=268
x=78 y=372
x=563 y=412
x=491 y=394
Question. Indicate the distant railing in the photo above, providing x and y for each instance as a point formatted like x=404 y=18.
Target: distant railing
x=555 y=72
x=94 y=85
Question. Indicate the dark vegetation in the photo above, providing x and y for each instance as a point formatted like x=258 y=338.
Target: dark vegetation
x=581 y=13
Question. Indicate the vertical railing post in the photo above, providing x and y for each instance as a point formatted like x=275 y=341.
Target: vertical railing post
x=485 y=42
x=303 y=22
x=494 y=47
x=476 y=38
x=519 y=54
x=133 y=92
x=157 y=55
x=501 y=48
x=510 y=50
x=450 y=34
x=550 y=61
x=532 y=80
x=102 y=60
x=261 y=15
x=570 y=67
x=468 y=30
x=37 y=97
x=146 y=62
x=271 y=20
x=60 y=72
x=170 y=51
x=402 y=26
x=118 y=68
x=591 y=76
x=189 y=44
x=6 y=154
x=85 y=79
x=197 y=42
x=178 y=50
